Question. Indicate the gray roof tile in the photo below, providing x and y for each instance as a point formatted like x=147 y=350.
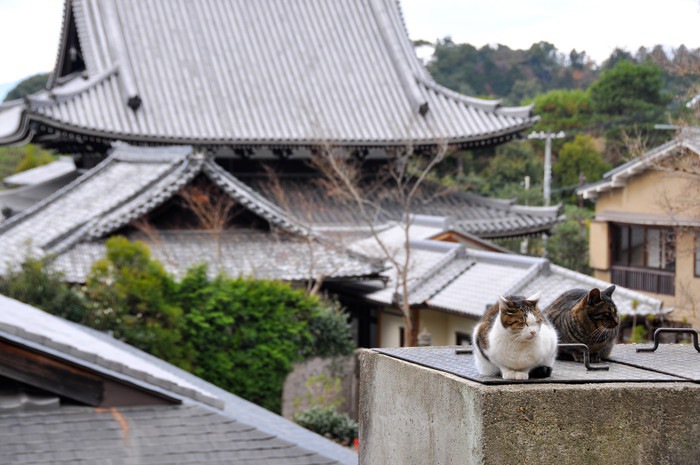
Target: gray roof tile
x=451 y=278
x=192 y=433
x=273 y=72
x=74 y=222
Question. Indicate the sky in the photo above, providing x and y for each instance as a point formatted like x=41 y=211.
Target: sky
x=30 y=29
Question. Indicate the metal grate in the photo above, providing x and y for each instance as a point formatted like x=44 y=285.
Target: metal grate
x=627 y=363
x=682 y=360
x=447 y=359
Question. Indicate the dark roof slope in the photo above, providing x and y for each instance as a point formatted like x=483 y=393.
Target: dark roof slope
x=487 y=218
x=210 y=426
x=245 y=72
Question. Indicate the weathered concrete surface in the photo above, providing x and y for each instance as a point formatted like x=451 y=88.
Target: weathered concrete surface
x=410 y=414
x=297 y=389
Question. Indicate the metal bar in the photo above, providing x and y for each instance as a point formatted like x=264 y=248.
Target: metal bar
x=586 y=355
x=690 y=331
x=582 y=347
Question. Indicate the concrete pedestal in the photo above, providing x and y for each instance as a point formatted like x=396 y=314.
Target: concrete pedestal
x=412 y=414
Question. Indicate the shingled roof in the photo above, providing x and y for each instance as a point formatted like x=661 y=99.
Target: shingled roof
x=73 y=223
x=448 y=277
x=469 y=213
x=242 y=73
x=199 y=424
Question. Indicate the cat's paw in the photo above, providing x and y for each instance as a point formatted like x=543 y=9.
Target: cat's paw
x=541 y=372
x=515 y=375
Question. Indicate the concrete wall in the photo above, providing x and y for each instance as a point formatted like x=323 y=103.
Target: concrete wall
x=410 y=414
x=295 y=395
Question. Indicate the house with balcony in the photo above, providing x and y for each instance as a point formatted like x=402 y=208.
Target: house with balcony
x=646 y=230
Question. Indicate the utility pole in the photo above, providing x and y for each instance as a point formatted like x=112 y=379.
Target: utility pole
x=547 y=136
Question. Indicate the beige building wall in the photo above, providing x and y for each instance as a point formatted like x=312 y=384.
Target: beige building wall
x=442 y=326
x=672 y=199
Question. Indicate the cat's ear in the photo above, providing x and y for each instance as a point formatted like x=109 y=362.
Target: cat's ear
x=534 y=298
x=594 y=295
x=609 y=291
x=502 y=303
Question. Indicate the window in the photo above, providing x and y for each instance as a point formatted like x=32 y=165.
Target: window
x=644 y=247
x=463 y=338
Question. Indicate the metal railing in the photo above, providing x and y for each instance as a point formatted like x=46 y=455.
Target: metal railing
x=657 y=281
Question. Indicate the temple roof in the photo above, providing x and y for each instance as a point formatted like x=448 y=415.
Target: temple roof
x=234 y=73
x=73 y=223
x=468 y=213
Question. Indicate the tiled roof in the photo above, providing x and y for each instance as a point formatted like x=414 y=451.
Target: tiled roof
x=448 y=277
x=246 y=253
x=211 y=426
x=243 y=72
x=142 y=435
x=74 y=222
x=688 y=139
x=487 y=218
x=41 y=174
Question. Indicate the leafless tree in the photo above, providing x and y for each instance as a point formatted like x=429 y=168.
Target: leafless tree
x=398 y=187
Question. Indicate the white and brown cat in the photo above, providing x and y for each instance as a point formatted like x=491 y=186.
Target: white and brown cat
x=514 y=339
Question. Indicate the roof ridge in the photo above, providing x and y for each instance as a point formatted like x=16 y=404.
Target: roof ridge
x=254 y=200
x=5 y=225
x=407 y=78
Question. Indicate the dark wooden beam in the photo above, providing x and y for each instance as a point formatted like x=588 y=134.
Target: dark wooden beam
x=50 y=375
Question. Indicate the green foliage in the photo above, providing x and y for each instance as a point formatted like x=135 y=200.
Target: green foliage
x=512 y=163
x=576 y=157
x=245 y=333
x=326 y=421
x=568 y=245
x=639 y=334
x=134 y=297
x=563 y=110
x=33 y=156
x=28 y=86
x=629 y=90
x=36 y=284
x=330 y=331
x=513 y=75
x=16 y=159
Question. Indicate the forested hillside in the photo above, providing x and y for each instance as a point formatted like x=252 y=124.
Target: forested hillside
x=608 y=113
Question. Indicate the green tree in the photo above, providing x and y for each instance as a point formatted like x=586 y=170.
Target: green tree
x=579 y=157
x=28 y=86
x=245 y=333
x=331 y=334
x=563 y=110
x=33 y=156
x=568 y=245
x=632 y=91
x=135 y=298
x=510 y=165
x=36 y=284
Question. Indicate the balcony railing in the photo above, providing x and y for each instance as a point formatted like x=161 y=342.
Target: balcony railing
x=656 y=281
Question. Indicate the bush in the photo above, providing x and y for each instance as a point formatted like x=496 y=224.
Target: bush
x=36 y=284
x=329 y=423
x=135 y=298
x=245 y=333
x=330 y=331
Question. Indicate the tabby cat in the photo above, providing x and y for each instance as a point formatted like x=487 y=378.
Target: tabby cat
x=514 y=339
x=588 y=317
